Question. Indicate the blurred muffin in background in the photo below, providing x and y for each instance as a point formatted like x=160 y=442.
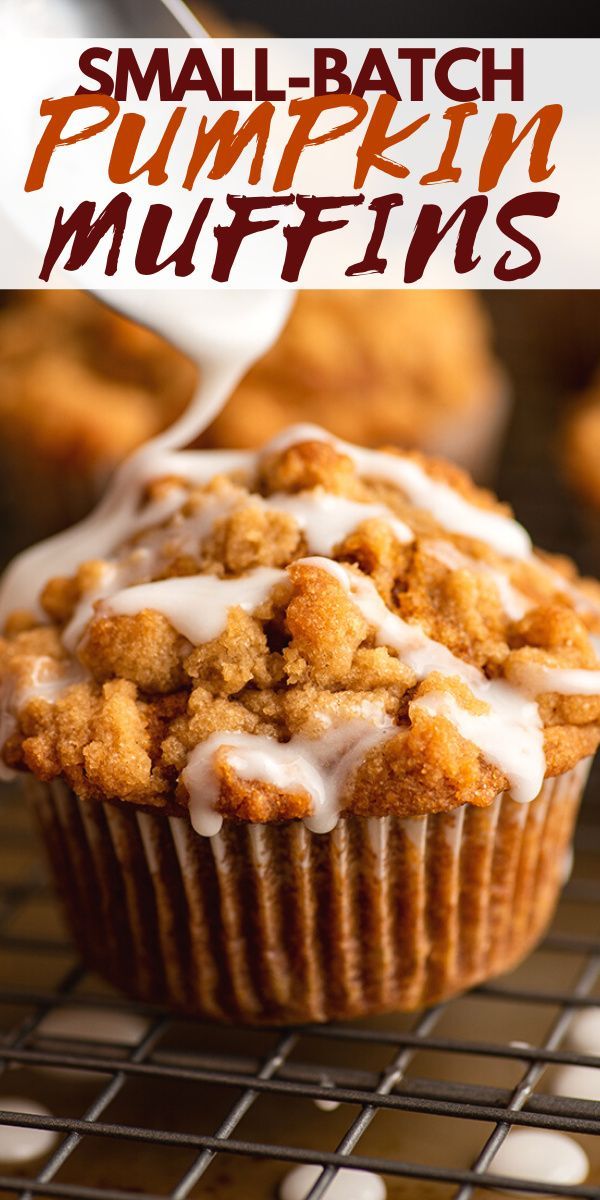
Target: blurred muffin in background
x=410 y=368
x=81 y=387
x=581 y=446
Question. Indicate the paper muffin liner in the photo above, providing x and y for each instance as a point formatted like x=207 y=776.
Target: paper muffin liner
x=271 y=923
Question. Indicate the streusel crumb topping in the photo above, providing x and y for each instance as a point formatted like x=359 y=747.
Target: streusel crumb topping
x=301 y=595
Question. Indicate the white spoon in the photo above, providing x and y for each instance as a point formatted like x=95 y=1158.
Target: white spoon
x=98 y=18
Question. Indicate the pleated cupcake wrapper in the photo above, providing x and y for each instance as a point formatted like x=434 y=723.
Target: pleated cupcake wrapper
x=270 y=923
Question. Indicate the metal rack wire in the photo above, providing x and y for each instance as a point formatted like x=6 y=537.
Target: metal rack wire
x=187 y=1111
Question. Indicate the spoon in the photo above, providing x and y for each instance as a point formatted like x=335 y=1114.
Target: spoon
x=98 y=18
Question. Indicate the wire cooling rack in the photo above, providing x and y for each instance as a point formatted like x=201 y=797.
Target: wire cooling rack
x=183 y=1110
x=151 y=1106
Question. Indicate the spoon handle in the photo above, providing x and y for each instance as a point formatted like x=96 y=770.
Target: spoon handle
x=156 y=18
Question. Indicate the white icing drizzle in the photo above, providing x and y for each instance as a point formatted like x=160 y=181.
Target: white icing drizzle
x=47 y=681
x=327 y=519
x=509 y=733
x=20 y=1145
x=347 y=1184
x=448 y=507
x=581 y=601
x=538 y=679
x=514 y=603
x=321 y=767
x=415 y=648
x=118 y=517
x=197 y=605
x=542 y=1157
x=224 y=341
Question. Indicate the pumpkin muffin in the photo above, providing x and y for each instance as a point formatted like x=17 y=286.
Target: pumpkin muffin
x=307 y=739
x=80 y=388
x=581 y=446
x=413 y=368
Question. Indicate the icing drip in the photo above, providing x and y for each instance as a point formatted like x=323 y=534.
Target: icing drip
x=197 y=605
x=321 y=767
x=583 y=1036
x=44 y=683
x=148 y=556
x=417 y=650
x=324 y=518
x=538 y=679
x=103 y=1029
x=449 y=508
x=327 y=519
x=514 y=603
x=509 y=733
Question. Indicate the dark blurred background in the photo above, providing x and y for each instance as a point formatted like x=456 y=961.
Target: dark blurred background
x=429 y=18
x=550 y=344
